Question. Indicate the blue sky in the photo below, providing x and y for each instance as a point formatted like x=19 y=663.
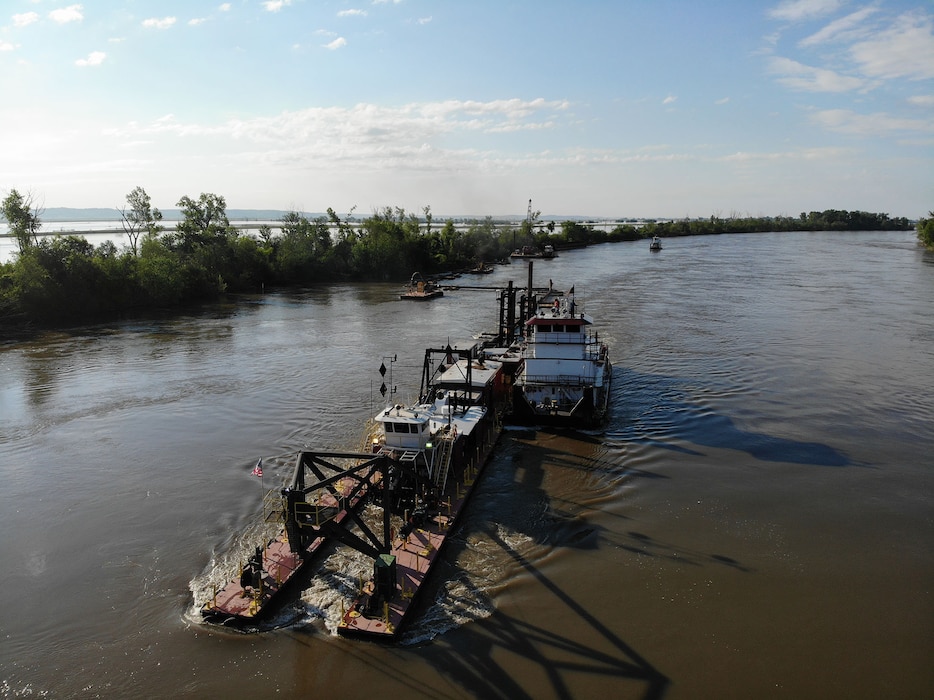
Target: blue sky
x=594 y=107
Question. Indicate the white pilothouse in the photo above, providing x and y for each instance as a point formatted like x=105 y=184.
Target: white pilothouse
x=566 y=370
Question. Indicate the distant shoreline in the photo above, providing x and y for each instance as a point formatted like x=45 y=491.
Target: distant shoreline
x=91 y=214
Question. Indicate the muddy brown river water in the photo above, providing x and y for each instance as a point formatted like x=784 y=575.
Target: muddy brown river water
x=755 y=520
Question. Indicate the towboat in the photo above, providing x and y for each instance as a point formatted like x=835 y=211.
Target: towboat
x=566 y=372
x=656 y=244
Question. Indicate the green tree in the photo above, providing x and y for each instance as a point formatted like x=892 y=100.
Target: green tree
x=23 y=219
x=141 y=217
x=265 y=235
x=300 y=249
x=925 y=230
x=63 y=281
x=160 y=273
x=205 y=221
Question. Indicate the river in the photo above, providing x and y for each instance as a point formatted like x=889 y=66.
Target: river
x=756 y=519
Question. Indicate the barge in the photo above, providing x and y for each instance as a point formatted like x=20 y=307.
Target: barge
x=313 y=513
x=420 y=289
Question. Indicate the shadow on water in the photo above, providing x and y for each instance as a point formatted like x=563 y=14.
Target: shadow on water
x=559 y=524
x=568 y=658
x=657 y=410
x=556 y=654
x=569 y=651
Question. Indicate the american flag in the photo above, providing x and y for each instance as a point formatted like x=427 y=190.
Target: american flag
x=258 y=469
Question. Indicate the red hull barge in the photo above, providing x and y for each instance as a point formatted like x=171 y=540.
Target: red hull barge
x=436 y=450
x=386 y=603
x=325 y=507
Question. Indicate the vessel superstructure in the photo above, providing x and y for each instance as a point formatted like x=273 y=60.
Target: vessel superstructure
x=566 y=372
x=437 y=450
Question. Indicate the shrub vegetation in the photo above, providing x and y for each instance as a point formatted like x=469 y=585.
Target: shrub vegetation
x=64 y=279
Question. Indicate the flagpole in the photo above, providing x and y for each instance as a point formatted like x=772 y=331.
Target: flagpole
x=258 y=471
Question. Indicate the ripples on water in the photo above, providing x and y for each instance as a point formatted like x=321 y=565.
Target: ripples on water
x=769 y=431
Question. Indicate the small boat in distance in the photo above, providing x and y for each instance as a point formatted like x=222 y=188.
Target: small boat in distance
x=656 y=244
x=420 y=289
x=481 y=268
x=529 y=251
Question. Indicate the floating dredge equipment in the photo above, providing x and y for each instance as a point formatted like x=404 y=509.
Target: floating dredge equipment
x=438 y=448
x=421 y=466
x=312 y=513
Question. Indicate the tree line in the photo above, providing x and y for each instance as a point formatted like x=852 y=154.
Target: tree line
x=66 y=279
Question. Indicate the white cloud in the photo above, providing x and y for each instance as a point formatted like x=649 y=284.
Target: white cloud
x=25 y=19
x=804 y=154
x=922 y=100
x=905 y=50
x=352 y=13
x=224 y=7
x=722 y=101
x=95 y=58
x=276 y=5
x=364 y=133
x=64 y=15
x=196 y=21
x=6 y=46
x=847 y=122
x=841 y=29
x=671 y=99
x=798 y=76
x=156 y=23
x=424 y=20
x=338 y=43
x=794 y=10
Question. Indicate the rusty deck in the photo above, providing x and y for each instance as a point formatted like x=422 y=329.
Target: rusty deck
x=280 y=565
x=415 y=556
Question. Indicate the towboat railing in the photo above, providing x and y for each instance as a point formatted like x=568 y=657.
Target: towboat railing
x=555 y=380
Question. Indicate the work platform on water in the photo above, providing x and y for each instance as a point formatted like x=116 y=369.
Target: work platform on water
x=421 y=467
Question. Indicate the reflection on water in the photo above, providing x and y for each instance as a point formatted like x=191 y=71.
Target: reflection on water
x=696 y=546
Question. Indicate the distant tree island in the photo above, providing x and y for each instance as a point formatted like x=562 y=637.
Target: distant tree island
x=64 y=280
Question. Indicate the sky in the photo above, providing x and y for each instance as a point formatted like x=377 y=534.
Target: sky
x=602 y=108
